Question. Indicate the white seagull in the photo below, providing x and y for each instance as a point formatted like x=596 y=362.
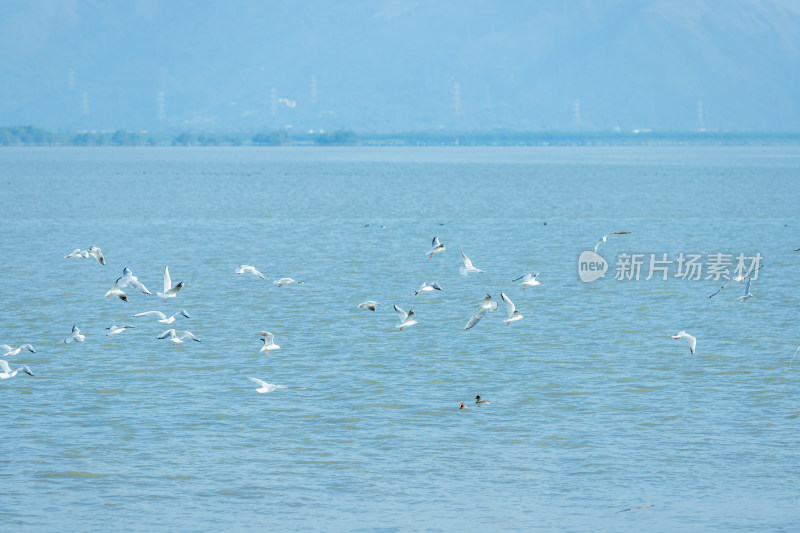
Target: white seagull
x=97 y=253
x=428 y=287
x=118 y=329
x=76 y=336
x=406 y=319
x=282 y=281
x=369 y=304
x=601 y=241
x=164 y=319
x=467 y=268
x=528 y=280
x=177 y=339
x=486 y=305
x=250 y=269
x=740 y=278
x=436 y=247
x=686 y=336
x=77 y=252
x=513 y=314
x=7 y=373
x=269 y=343
x=116 y=291
x=129 y=279
x=169 y=290
x=263 y=386
x=8 y=351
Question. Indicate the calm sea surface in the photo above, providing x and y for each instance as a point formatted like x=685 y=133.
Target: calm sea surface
x=594 y=407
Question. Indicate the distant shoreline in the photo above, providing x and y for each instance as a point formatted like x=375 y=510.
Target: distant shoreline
x=19 y=136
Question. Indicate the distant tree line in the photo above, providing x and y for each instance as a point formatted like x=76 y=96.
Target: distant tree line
x=32 y=136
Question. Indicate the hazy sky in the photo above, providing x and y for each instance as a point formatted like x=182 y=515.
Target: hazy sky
x=401 y=65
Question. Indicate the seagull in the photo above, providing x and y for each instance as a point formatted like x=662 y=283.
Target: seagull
x=169 y=290
x=251 y=269
x=738 y=279
x=116 y=291
x=263 y=386
x=177 y=339
x=7 y=373
x=486 y=305
x=406 y=319
x=747 y=294
x=467 y=268
x=164 y=319
x=481 y=402
x=528 y=280
x=129 y=279
x=118 y=329
x=97 y=253
x=436 y=247
x=77 y=252
x=281 y=281
x=269 y=344
x=76 y=336
x=684 y=335
x=601 y=241
x=369 y=304
x=8 y=351
x=427 y=287
x=513 y=314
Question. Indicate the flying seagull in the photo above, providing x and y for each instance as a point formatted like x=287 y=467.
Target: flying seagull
x=686 y=336
x=436 y=247
x=116 y=291
x=75 y=336
x=467 y=268
x=177 y=339
x=8 y=351
x=601 y=241
x=7 y=373
x=486 y=305
x=528 y=280
x=97 y=253
x=513 y=314
x=164 y=319
x=740 y=278
x=129 y=279
x=249 y=269
x=263 y=386
x=169 y=290
x=286 y=281
x=428 y=287
x=269 y=343
x=118 y=329
x=406 y=319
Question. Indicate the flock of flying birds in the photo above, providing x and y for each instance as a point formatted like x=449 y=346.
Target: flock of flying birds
x=169 y=291
x=406 y=319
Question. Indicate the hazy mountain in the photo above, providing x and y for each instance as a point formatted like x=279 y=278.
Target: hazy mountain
x=400 y=65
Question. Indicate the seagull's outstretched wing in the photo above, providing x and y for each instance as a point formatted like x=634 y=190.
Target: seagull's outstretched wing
x=159 y=314
x=479 y=314
x=167 y=280
x=167 y=334
x=402 y=314
x=190 y=335
x=510 y=308
x=259 y=382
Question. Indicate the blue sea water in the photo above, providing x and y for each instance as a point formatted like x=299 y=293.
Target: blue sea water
x=594 y=407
